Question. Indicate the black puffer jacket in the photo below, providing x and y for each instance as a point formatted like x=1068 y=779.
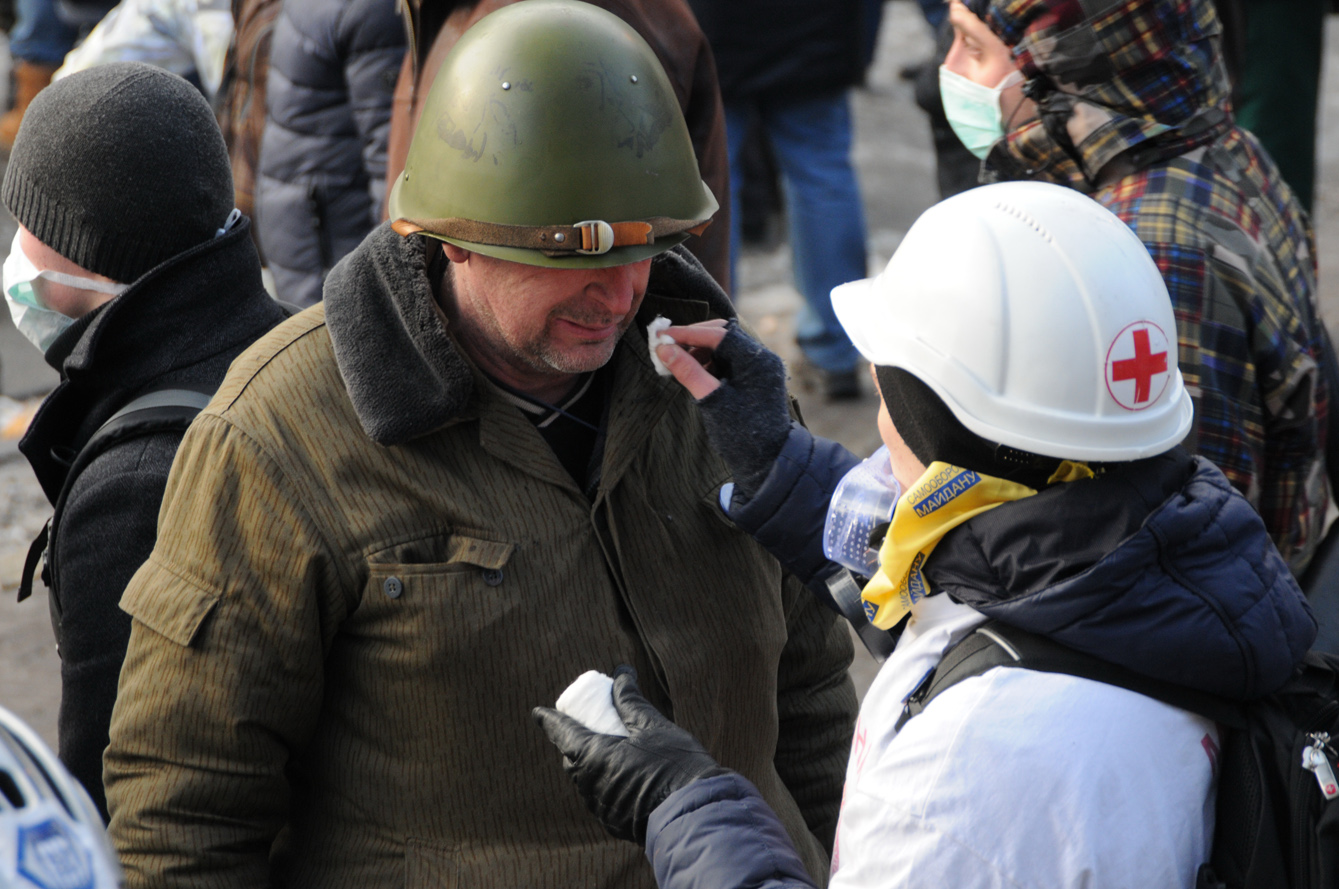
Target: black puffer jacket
x=180 y=325
x=322 y=178
x=782 y=49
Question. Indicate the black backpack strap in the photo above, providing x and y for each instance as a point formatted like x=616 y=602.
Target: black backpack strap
x=36 y=550
x=994 y=644
x=158 y=410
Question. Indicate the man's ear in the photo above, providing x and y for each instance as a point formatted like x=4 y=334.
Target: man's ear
x=454 y=253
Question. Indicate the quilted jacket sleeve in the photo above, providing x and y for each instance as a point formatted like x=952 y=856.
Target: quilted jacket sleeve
x=720 y=833
x=787 y=513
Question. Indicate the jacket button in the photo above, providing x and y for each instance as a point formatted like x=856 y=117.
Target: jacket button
x=393 y=587
x=492 y=576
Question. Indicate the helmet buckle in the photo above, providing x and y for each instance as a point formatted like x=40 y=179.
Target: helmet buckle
x=597 y=236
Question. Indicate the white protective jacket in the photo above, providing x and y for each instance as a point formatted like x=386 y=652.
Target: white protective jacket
x=928 y=790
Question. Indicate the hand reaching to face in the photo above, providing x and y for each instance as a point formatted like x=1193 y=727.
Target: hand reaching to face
x=740 y=388
x=691 y=359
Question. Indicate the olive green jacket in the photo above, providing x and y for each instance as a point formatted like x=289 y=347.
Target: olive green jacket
x=370 y=567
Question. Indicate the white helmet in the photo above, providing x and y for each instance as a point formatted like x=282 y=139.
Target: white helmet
x=51 y=836
x=1037 y=316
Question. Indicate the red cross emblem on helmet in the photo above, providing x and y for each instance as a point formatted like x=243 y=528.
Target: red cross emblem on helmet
x=1139 y=365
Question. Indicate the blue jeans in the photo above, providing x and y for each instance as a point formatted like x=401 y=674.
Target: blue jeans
x=39 y=35
x=811 y=139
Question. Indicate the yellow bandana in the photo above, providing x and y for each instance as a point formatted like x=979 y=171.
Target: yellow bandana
x=940 y=500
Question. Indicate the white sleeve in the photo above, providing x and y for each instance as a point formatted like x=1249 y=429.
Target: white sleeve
x=211 y=28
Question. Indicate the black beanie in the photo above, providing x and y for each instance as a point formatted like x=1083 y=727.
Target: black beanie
x=932 y=432
x=118 y=168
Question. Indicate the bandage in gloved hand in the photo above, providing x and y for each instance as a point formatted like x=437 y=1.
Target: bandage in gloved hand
x=590 y=701
x=622 y=780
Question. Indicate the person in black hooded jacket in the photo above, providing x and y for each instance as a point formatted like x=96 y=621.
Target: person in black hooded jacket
x=133 y=273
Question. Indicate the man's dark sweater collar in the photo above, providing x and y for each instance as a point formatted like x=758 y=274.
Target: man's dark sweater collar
x=171 y=317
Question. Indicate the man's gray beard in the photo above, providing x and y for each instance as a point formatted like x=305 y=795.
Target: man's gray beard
x=536 y=356
x=542 y=358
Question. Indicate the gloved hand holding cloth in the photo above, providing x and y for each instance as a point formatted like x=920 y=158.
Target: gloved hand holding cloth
x=623 y=779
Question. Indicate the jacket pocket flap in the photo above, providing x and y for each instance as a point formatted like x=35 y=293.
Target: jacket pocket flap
x=474 y=551
x=426 y=555
x=173 y=609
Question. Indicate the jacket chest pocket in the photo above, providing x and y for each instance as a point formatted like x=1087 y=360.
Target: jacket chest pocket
x=432 y=614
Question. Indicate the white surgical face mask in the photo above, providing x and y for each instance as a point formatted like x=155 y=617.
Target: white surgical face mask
x=24 y=283
x=973 y=110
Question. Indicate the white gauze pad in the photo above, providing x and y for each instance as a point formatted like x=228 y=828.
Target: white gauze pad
x=654 y=338
x=590 y=701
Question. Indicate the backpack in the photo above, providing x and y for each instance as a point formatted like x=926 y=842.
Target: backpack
x=158 y=410
x=1277 y=823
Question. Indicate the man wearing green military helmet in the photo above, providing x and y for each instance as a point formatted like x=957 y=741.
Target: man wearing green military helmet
x=498 y=171
x=416 y=508
x=549 y=151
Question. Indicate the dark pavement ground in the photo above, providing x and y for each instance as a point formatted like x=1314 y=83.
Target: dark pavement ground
x=896 y=167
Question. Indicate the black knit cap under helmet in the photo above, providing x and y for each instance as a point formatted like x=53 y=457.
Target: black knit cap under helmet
x=118 y=168
x=932 y=432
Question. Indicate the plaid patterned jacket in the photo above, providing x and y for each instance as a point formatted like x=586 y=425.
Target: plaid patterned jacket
x=1134 y=110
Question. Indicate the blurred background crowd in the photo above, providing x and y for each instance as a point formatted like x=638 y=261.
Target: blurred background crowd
x=826 y=155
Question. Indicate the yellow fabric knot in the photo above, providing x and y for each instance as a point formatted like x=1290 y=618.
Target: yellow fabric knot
x=940 y=500
x=943 y=498
x=1070 y=471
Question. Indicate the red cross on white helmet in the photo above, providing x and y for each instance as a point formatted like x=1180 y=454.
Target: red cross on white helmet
x=1037 y=316
x=1139 y=365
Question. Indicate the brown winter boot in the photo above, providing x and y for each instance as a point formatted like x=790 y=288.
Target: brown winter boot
x=29 y=79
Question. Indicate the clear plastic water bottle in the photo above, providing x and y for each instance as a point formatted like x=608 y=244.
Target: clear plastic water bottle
x=864 y=499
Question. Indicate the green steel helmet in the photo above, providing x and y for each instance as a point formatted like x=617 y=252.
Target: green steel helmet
x=552 y=137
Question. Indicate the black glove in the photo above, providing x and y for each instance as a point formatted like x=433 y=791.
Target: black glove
x=622 y=780
x=748 y=417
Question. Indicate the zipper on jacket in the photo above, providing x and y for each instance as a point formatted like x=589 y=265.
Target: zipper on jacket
x=599 y=518
x=317 y=207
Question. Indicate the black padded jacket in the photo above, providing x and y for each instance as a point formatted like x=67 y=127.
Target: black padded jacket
x=322 y=177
